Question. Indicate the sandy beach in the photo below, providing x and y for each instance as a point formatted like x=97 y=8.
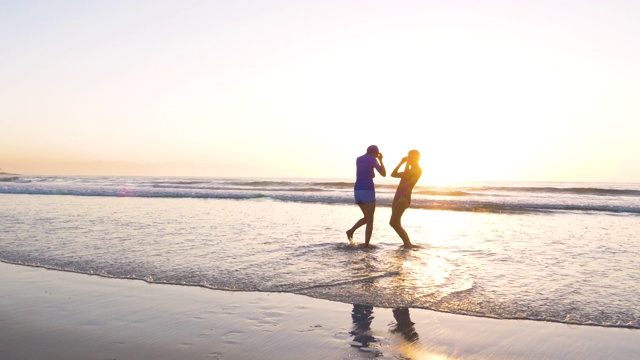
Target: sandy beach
x=60 y=315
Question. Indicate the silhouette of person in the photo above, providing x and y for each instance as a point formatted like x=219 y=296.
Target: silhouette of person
x=408 y=179
x=364 y=190
x=362 y=316
x=404 y=325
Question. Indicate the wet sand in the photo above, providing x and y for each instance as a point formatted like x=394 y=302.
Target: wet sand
x=47 y=314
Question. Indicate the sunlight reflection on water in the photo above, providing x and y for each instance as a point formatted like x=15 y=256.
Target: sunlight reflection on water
x=572 y=267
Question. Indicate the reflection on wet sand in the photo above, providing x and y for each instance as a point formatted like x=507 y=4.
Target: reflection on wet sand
x=363 y=338
x=404 y=325
x=362 y=316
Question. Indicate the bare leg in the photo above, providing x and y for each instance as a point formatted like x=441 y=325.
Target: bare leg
x=368 y=211
x=396 y=215
x=358 y=224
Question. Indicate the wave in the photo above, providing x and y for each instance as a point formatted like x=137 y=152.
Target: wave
x=491 y=198
x=214 y=187
x=135 y=193
x=562 y=190
x=14 y=179
x=337 y=184
x=195 y=182
x=443 y=192
x=317 y=196
x=501 y=208
x=616 y=190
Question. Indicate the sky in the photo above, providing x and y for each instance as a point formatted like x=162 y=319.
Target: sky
x=485 y=90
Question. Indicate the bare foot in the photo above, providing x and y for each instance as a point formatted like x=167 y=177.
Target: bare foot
x=350 y=235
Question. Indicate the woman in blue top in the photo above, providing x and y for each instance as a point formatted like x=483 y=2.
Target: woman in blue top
x=364 y=190
x=408 y=179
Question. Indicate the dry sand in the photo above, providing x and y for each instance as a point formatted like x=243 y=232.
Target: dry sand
x=46 y=314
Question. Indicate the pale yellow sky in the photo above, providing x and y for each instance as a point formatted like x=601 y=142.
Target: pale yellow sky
x=496 y=90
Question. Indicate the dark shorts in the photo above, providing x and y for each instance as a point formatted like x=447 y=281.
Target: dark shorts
x=364 y=196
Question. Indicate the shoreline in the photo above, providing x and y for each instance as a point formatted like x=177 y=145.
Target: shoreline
x=64 y=315
x=204 y=287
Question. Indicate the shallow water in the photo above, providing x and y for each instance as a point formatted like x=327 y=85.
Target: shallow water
x=571 y=267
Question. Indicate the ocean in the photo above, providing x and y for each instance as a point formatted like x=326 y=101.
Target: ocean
x=560 y=252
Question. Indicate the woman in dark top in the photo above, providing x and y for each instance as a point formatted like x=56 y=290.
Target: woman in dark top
x=408 y=179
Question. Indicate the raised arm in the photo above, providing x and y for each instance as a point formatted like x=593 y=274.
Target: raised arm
x=395 y=172
x=382 y=171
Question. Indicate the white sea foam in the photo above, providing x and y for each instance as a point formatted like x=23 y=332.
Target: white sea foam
x=479 y=197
